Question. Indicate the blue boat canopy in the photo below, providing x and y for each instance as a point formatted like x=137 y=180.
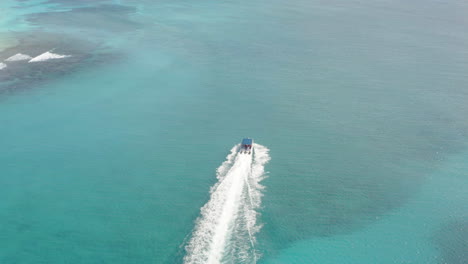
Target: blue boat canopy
x=247 y=141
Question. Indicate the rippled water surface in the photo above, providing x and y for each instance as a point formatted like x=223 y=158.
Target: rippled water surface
x=110 y=146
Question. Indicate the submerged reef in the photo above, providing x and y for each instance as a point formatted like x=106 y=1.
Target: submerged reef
x=25 y=70
x=69 y=37
x=81 y=2
x=105 y=18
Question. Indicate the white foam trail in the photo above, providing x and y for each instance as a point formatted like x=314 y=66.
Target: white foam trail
x=251 y=203
x=2 y=65
x=230 y=211
x=19 y=57
x=48 y=56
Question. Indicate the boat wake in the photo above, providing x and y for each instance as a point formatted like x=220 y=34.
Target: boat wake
x=225 y=230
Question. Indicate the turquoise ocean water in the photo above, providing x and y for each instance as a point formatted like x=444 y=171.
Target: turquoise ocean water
x=109 y=155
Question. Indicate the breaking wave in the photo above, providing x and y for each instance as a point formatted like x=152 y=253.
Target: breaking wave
x=225 y=230
x=2 y=65
x=19 y=57
x=48 y=56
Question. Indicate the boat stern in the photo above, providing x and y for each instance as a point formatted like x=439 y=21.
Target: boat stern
x=246 y=146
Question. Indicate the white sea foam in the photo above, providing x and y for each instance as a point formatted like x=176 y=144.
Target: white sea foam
x=19 y=57
x=2 y=65
x=227 y=224
x=48 y=56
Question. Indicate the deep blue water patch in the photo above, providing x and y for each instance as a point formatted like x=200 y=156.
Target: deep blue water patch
x=452 y=242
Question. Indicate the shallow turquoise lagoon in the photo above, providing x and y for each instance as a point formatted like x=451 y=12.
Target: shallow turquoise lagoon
x=108 y=155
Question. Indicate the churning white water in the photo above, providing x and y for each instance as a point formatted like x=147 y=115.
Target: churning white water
x=225 y=231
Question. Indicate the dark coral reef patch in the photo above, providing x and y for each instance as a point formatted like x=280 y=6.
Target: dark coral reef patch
x=21 y=75
x=104 y=18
